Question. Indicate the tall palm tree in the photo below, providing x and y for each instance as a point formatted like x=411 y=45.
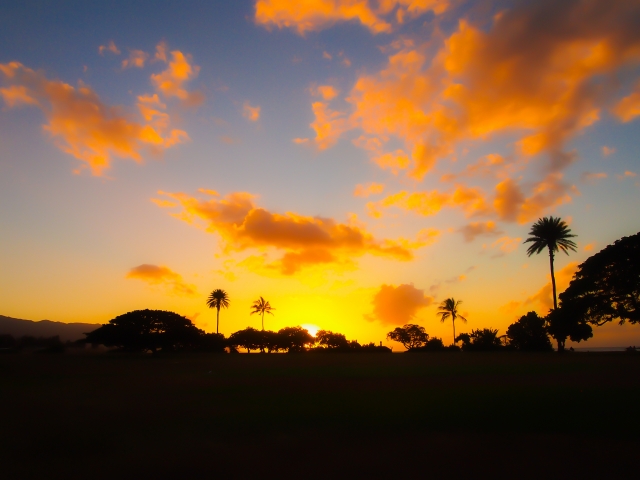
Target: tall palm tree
x=261 y=306
x=449 y=308
x=554 y=234
x=218 y=299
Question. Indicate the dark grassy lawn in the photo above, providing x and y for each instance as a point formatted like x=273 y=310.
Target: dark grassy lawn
x=299 y=416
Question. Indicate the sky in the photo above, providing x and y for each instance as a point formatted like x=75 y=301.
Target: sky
x=353 y=162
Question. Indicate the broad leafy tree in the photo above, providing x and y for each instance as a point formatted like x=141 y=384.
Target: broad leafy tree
x=552 y=234
x=529 y=334
x=449 y=309
x=331 y=340
x=262 y=306
x=218 y=299
x=606 y=286
x=294 y=339
x=563 y=323
x=485 y=339
x=410 y=336
x=249 y=338
x=143 y=330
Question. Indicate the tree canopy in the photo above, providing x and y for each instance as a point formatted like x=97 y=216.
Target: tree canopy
x=606 y=286
x=529 y=333
x=143 y=330
x=480 y=340
x=410 y=336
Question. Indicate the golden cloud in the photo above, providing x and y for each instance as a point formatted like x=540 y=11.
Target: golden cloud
x=313 y=15
x=368 y=189
x=606 y=151
x=470 y=200
x=82 y=125
x=251 y=113
x=629 y=107
x=303 y=241
x=180 y=70
x=162 y=276
x=109 y=47
x=398 y=305
x=592 y=176
x=542 y=81
x=137 y=58
x=475 y=229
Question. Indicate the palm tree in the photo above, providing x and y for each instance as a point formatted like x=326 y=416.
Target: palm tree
x=449 y=308
x=554 y=234
x=217 y=299
x=262 y=306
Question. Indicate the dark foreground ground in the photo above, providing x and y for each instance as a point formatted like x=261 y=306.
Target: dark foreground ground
x=448 y=415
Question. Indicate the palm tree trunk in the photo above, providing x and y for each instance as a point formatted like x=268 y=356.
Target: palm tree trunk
x=263 y=321
x=453 y=321
x=217 y=319
x=553 y=280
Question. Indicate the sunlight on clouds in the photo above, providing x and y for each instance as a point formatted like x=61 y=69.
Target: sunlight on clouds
x=83 y=126
x=475 y=229
x=629 y=107
x=592 y=176
x=250 y=113
x=368 y=189
x=606 y=151
x=163 y=276
x=137 y=58
x=313 y=15
x=303 y=241
x=398 y=305
x=538 y=81
x=109 y=47
x=170 y=83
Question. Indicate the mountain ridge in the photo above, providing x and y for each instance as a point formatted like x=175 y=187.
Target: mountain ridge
x=18 y=327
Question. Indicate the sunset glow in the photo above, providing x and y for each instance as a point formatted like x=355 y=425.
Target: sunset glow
x=354 y=162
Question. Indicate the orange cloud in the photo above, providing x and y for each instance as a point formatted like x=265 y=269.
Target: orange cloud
x=492 y=165
x=475 y=229
x=507 y=244
x=606 y=151
x=592 y=176
x=312 y=15
x=82 y=125
x=589 y=246
x=304 y=241
x=327 y=92
x=163 y=276
x=251 y=113
x=512 y=205
x=398 y=305
x=533 y=79
x=544 y=296
x=470 y=200
x=629 y=107
x=109 y=47
x=329 y=125
x=171 y=82
x=137 y=58
x=368 y=189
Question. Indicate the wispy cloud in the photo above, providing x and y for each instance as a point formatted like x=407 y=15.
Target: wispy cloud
x=163 y=276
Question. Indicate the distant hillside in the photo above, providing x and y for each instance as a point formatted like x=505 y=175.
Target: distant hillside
x=45 y=328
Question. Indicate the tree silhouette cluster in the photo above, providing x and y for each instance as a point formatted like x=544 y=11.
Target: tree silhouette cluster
x=46 y=344
x=159 y=330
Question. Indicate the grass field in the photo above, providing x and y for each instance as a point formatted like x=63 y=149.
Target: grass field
x=440 y=415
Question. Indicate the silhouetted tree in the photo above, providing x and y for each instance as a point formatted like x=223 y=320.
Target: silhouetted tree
x=7 y=341
x=410 y=336
x=553 y=234
x=218 y=299
x=449 y=308
x=261 y=306
x=213 y=342
x=249 y=338
x=331 y=340
x=434 y=344
x=529 y=333
x=294 y=339
x=480 y=340
x=562 y=323
x=143 y=330
x=606 y=286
